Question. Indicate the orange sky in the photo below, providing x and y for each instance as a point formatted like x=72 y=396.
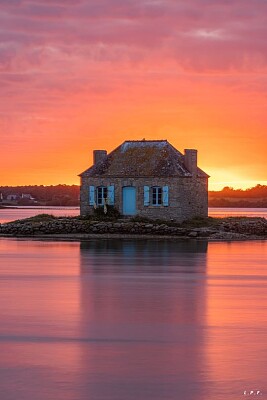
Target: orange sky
x=82 y=75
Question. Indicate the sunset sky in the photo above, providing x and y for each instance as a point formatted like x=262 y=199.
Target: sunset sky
x=78 y=75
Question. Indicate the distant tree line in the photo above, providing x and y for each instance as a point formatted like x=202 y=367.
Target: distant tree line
x=68 y=195
x=229 y=197
x=257 y=191
x=59 y=195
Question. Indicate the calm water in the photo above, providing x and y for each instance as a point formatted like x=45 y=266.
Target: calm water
x=9 y=214
x=221 y=212
x=132 y=320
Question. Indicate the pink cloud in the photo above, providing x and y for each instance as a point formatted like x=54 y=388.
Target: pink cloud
x=53 y=47
x=189 y=34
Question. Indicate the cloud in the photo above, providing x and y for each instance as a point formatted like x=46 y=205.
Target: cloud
x=63 y=46
x=178 y=30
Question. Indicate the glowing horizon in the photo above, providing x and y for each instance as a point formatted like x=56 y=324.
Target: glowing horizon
x=82 y=75
x=213 y=185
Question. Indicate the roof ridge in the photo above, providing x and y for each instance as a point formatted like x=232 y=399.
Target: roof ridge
x=145 y=140
x=137 y=157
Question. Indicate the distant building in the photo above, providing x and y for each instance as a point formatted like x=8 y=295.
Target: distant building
x=13 y=197
x=17 y=198
x=149 y=178
x=27 y=196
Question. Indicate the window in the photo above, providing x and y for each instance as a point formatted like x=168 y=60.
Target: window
x=102 y=194
x=156 y=196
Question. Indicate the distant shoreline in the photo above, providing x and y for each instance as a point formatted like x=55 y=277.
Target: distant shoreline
x=63 y=195
x=39 y=207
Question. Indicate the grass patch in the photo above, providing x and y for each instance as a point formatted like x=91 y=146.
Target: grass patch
x=36 y=218
x=140 y=219
x=201 y=222
x=197 y=222
x=99 y=215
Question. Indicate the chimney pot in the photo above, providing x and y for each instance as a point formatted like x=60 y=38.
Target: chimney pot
x=190 y=160
x=99 y=155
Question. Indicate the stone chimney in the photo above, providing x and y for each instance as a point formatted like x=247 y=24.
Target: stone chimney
x=190 y=160
x=99 y=155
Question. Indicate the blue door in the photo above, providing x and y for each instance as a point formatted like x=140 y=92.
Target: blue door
x=128 y=200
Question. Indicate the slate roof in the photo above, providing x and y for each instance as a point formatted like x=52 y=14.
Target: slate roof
x=142 y=158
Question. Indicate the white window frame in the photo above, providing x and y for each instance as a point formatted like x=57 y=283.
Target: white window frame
x=101 y=200
x=159 y=196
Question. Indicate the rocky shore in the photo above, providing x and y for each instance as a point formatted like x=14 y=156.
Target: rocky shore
x=43 y=226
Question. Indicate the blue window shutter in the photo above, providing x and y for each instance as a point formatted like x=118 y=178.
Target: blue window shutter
x=165 y=195
x=111 y=195
x=146 y=195
x=91 y=195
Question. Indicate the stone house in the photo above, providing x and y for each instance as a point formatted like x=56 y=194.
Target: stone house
x=148 y=178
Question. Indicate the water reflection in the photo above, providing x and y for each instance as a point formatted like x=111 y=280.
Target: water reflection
x=127 y=320
x=236 y=318
x=39 y=320
x=143 y=256
x=145 y=317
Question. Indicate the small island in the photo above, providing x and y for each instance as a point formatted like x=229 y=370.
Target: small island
x=45 y=226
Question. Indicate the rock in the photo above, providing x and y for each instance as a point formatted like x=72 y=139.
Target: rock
x=193 y=234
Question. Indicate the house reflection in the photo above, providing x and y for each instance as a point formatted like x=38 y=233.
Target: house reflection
x=143 y=255
x=143 y=302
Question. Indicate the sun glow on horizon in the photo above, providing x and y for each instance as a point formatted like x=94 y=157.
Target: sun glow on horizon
x=144 y=69
x=53 y=180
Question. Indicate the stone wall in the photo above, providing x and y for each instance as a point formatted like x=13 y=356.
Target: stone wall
x=188 y=197
x=225 y=229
